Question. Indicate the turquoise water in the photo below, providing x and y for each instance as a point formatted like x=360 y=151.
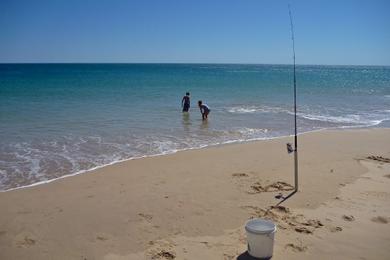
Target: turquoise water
x=59 y=119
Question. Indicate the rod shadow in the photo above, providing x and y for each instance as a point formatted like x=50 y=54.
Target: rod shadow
x=287 y=197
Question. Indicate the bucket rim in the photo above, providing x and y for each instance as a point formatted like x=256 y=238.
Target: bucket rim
x=267 y=230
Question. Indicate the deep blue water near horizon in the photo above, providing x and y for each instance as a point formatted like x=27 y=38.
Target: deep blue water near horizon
x=58 y=119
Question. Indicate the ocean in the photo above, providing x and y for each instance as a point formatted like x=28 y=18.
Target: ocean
x=63 y=119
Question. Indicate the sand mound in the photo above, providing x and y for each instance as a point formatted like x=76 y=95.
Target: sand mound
x=286 y=219
x=161 y=249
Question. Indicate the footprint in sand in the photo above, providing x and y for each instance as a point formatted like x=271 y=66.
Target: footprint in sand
x=24 y=241
x=248 y=183
x=348 y=218
x=147 y=220
x=378 y=159
x=276 y=186
x=312 y=223
x=296 y=248
x=206 y=243
x=240 y=174
x=228 y=257
x=303 y=230
x=380 y=219
x=146 y=217
x=335 y=229
x=242 y=180
x=101 y=238
x=387 y=175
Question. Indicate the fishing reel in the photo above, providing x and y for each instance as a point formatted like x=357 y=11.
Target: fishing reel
x=290 y=149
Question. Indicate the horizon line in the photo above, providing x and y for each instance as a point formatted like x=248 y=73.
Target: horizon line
x=200 y=63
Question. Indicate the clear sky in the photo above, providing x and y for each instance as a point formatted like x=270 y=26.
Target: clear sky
x=350 y=32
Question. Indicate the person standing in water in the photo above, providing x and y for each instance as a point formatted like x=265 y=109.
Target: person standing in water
x=204 y=109
x=185 y=102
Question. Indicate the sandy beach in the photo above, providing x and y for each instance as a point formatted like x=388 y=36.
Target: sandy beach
x=194 y=204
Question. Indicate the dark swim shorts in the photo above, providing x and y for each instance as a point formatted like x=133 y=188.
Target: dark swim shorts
x=186 y=107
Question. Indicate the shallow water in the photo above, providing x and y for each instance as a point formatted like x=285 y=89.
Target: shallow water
x=58 y=119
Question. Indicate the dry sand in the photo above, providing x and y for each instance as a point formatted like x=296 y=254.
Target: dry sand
x=194 y=204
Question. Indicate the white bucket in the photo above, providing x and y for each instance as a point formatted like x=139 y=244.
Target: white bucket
x=260 y=237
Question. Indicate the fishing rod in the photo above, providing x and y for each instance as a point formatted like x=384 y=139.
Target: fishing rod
x=289 y=148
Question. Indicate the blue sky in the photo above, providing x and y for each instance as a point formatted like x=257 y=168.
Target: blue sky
x=349 y=32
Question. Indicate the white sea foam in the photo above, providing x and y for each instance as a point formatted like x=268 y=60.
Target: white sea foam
x=375 y=118
x=243 y=110
x=254 y=109
x=252 y=131
x=350 y=119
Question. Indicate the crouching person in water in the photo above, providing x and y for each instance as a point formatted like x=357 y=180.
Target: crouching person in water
x=185 y=102
x=204 y=109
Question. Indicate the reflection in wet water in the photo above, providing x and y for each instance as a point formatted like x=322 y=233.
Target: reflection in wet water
x=204 y=125
x=186 y=122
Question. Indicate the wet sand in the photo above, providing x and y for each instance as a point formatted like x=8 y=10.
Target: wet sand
x=194 y=204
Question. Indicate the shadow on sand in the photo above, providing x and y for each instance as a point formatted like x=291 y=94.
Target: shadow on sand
x=285 y=198
x=247 y=256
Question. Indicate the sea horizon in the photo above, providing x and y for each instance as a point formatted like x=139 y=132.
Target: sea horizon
x=194 y=63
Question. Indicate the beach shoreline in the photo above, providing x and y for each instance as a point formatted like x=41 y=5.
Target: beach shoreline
x=189 y=203
x=235 y=142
